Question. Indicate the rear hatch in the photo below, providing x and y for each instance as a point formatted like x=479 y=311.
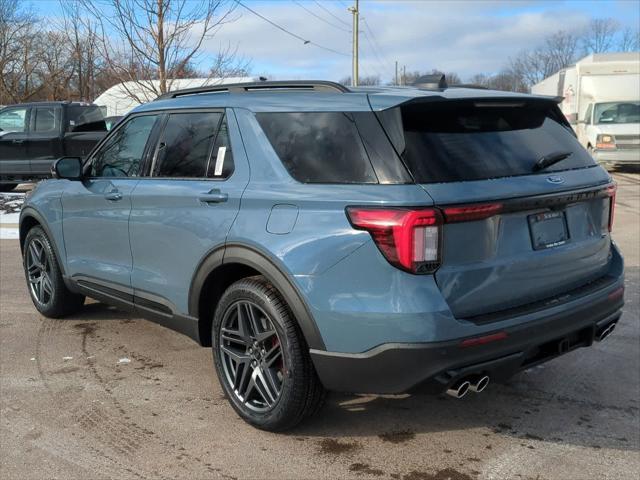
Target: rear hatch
x=514 y=233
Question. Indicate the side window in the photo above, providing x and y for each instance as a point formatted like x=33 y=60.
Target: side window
x=122 y=154
x=13 y=120
x=45 y=120
x=322 y=147
x=587 y=115
x=194 y=145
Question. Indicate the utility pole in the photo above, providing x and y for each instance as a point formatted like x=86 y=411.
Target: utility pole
x=404 y=75
x=354 y=74
x=397 y=73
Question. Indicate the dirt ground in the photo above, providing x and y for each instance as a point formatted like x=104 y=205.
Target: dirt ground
x=104 y=395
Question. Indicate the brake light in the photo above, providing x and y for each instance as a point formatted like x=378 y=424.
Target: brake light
x=408 y=238
x=611 y=193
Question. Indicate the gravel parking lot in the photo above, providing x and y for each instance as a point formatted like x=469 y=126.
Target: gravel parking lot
x=105 y=395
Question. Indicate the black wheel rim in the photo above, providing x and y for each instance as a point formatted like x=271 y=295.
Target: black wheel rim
x=39 y=272
x=251 y=353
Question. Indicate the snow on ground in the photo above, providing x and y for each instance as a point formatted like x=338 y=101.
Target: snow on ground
x=10 y=204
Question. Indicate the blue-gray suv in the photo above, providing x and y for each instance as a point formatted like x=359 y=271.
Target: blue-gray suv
x=372 y=240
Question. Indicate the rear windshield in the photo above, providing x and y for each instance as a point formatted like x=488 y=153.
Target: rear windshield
x=465 y=140
x=333 y=147
x=85 y=118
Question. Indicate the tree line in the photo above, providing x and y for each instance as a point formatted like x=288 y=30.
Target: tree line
x=530 y=66
x=91 y=45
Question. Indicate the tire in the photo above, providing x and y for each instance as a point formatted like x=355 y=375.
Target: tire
x=7 y=187
x=47 y=289
x=242 y=364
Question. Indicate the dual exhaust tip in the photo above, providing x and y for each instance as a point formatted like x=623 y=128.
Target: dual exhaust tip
x=475 y=384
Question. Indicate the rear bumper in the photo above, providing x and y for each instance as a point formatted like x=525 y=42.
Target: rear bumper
x=631 y=156
x=401 y=367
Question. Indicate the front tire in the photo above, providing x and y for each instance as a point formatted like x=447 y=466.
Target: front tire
x=261 y=358
x=47 y=289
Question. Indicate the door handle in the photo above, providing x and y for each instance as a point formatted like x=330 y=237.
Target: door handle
x=113 y=196
x=214 y=196
x=17 y=141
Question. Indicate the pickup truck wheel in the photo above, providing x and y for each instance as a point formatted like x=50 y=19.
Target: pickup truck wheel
x=7 y=187
x=261 y=357
x=49 y=294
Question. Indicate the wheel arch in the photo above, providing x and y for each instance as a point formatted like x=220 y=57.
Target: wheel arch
x=226 y=265
x=30 y=218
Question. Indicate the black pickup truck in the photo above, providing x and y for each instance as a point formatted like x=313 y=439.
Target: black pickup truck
x=33 y=135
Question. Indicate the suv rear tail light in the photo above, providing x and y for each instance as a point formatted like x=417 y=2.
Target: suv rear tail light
x=408 y=238
x=611 y=193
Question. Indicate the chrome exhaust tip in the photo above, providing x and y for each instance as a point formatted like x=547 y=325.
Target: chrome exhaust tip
x=460 y=389
x=606 y=332
x=479 y=384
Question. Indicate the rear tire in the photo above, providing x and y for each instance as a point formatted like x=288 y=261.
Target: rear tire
x=255 y=337
x=7 y=187
x=47 y=289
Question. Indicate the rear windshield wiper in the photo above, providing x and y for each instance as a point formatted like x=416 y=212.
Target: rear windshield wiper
x=550 y=159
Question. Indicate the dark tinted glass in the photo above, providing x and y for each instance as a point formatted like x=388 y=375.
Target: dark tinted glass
x=454 y=141
x=186 y=144
x=121 y=155
x=85 y=118
x=319 y=147
x=46 y=119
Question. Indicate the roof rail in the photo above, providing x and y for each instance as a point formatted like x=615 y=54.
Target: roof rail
x=312 y=85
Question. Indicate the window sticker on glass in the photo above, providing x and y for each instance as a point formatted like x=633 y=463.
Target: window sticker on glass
x=222 y=151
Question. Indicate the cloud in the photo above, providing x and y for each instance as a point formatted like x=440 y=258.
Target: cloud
x=462 y=36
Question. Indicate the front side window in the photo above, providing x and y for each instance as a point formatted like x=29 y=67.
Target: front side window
x=13 y=120
x=587 y=115
x=194 y=145
x=122 y=153
x=45 y=119
x=319 y=147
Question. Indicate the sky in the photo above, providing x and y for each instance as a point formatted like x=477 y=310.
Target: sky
x=462 y=36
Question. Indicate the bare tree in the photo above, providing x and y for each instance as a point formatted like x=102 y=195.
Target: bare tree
x=17 y=59
x=600 y=35
x=145 y=40
x=629 y=40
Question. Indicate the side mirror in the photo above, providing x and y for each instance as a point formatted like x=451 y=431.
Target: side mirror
x=69 y=168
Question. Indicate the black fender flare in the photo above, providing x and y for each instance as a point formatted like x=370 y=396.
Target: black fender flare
x=33 y=213
x=261 y=262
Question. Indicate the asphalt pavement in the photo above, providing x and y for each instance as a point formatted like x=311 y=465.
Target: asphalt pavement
x=105 y=395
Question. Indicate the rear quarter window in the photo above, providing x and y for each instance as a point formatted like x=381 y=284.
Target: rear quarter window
x=322 y=147
x=458 y=141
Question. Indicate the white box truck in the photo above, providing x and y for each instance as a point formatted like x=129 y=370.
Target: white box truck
x=602 y=102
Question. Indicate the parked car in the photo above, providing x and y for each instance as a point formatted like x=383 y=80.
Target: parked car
x=33 y=135
x=318 y=238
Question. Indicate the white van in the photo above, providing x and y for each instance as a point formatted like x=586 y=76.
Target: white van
x=601 y=99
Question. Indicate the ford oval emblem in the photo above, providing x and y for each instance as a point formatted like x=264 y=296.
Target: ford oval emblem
x=555 y=179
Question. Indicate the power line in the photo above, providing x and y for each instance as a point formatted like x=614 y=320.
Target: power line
x=311 y=12
x=329 y=12
x=304 y=40
x=382 y=64
x=376 y=45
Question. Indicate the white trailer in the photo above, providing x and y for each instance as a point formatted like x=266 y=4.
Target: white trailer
x=602 y=102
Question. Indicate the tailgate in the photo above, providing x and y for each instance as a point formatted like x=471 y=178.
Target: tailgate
x=537 y=247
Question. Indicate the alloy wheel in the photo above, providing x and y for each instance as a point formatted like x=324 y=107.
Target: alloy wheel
x=39 y=272
x=252 y=356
